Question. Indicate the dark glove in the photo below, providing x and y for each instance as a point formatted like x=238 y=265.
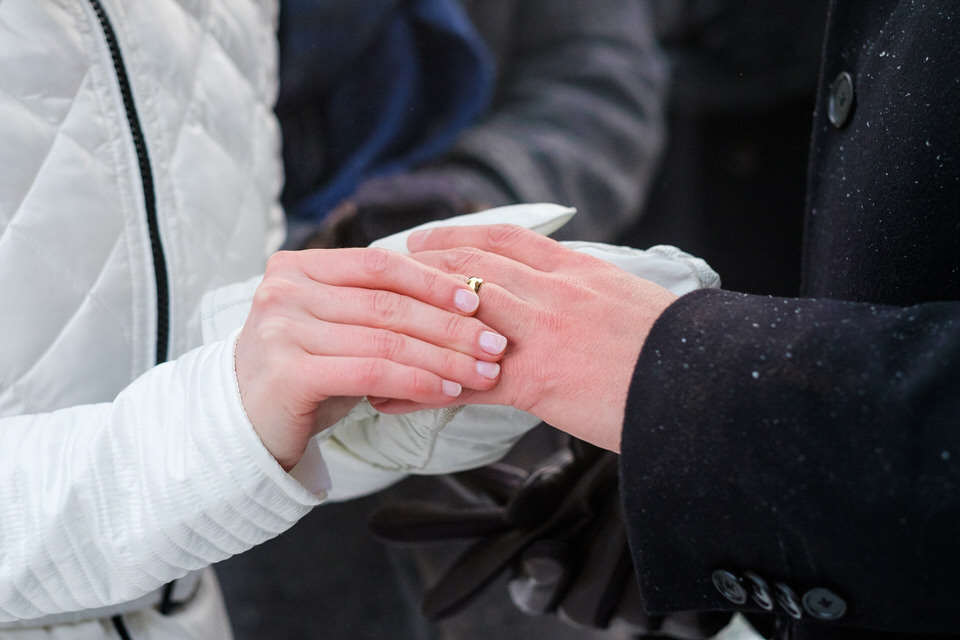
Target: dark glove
x=389 y=204
x=557 y=531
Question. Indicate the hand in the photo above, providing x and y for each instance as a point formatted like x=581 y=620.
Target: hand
x=575 y=324
x=328 y=327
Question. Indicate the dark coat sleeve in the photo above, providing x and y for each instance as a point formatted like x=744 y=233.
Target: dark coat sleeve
x=815 y=443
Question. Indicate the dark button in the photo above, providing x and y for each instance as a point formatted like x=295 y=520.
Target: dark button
x=787 y=599
x=840 y=101
x=759 y=590
x=729 y=586
x=823 y=604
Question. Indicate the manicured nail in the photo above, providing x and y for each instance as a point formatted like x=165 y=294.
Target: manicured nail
x=451 y=389
x=488 y=370
x=466 y=300
x=416 y=240
x=492 y=343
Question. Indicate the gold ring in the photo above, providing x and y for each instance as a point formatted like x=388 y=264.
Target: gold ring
x=475 y=284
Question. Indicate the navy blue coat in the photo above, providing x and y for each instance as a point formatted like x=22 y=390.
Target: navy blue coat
x=813 y=444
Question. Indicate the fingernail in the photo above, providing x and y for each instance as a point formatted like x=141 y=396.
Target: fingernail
x=466 y=300
x=375 y=401
x=451 y=389
x=492 y=343
x=488 y=370
x=415 y=241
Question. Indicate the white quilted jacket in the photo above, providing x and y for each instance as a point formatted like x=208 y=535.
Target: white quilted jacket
x=138 y=170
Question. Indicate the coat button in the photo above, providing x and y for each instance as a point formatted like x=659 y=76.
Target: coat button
x=823 y=604
x=788 y=599
x=729 y=586
x=840 y=102
x=759 y=590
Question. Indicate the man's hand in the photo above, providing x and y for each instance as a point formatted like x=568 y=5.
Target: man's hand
x=575 y=324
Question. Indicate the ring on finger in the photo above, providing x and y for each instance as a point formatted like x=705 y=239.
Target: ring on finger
x=475 y=283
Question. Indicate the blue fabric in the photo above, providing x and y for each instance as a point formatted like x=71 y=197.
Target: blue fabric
x=397 y=81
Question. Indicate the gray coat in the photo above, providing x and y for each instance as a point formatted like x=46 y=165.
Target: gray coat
x=578 y=113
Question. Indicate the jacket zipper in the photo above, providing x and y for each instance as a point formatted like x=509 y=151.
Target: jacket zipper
x=146 y=176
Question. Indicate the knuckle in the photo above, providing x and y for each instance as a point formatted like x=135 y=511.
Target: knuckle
x=457 y=260
x=449 y=362
x=374 y=262
x=453 y=326
x=369 y=373
x=469 y=255
x=270 y=294
x=279 y=261
x=387 y=345
x=433 y=280
x=421 y=385
x=504 y=236
x=385 y=306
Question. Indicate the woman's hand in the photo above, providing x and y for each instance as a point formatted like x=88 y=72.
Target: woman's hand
x=575 y=324
x=328 y=327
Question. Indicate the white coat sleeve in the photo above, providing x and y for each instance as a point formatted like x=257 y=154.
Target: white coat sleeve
x=100 y=504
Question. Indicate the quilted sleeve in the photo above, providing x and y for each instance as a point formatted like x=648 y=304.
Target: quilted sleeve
x=101 y=504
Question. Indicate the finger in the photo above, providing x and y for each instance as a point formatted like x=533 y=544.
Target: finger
x=515 y=318
x=523 y=281
x=404 y=315
x=396 y=406
x=351 y=376
x=512 y=241
x=382 y=270
x=329 y=339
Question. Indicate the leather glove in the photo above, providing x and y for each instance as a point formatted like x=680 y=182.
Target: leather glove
x=557 y=531
x=389 y=204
